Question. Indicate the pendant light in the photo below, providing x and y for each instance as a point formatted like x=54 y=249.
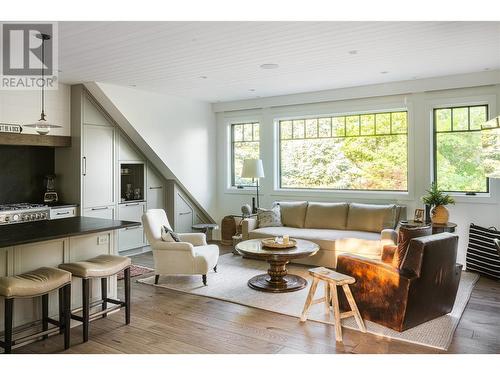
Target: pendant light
x=42 y=126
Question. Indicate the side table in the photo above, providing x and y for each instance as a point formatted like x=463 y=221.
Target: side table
x=206 y=228
x=436 y=228
x=231 y=226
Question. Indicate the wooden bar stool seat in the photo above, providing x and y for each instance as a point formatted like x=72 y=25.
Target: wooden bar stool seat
x=100 y=267
x=37 y=283
x=332 y=280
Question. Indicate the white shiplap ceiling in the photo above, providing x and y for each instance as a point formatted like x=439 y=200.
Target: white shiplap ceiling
x=219 y=61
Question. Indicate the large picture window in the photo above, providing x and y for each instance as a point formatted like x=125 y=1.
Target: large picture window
x=352 y=152
x=457 y=149
x=245 y=140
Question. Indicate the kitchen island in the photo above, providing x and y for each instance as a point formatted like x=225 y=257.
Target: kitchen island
x=27 y=246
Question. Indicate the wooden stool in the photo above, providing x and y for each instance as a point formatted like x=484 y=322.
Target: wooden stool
x=100 y=267
x=39 y=282
x=332 y=280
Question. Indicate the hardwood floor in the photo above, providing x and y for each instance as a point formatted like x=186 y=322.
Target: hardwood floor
x=165 y=321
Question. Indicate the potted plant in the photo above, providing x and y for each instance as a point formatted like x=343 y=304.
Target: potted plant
x=438 y=200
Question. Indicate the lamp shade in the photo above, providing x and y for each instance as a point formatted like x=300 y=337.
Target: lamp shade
x=252 y=168
x=490 y=157
x=491 y=124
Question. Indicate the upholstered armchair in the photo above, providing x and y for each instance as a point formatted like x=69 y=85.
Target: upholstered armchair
x=403 y=294
x=191 y=256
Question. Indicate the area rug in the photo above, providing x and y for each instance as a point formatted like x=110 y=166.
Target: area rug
x=230 y=284
x=135 y=270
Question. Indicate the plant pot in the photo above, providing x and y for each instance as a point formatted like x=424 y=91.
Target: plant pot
x=440 y=215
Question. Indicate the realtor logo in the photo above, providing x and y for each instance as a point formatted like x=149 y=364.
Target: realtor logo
x=25 y=54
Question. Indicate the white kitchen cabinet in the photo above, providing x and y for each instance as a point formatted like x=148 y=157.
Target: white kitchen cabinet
x=93 y=114
x=98 y=166
x=184 y=215
x=90 y=174
x=131 y=211
x=180 y=211
x=155 y=189
x=62 y=212
x=105 y=212
x=131 y=238
x=127 y=152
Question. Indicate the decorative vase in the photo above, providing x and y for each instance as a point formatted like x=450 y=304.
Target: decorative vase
x=440 y=215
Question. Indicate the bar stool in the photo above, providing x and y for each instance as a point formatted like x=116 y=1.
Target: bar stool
x=39 y=282
x=100 y=267
x=332 y=280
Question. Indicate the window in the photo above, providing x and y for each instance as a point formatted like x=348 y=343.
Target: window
x=352 y=152
x=457 y=149
x=244 y=145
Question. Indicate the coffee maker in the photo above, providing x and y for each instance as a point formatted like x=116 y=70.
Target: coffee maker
x=50 y=195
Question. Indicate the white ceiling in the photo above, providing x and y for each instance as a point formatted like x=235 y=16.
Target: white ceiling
x=171 y=57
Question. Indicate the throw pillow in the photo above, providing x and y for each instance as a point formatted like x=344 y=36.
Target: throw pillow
x=404 y=238
x=168 y=235
x=269 y=218
x=293 y=214
x=326 y=215
x=371 y=217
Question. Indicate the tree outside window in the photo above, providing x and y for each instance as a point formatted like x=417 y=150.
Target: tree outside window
x=245 y=142
x=352 y=152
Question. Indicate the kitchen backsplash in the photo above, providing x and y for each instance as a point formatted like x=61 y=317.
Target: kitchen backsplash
x=22 y=172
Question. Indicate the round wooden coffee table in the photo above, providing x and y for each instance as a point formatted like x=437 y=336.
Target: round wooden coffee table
x=277 y=279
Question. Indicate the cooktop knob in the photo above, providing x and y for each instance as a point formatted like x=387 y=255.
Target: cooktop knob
x=15 y=217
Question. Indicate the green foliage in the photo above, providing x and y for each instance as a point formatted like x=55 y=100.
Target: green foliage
x=242 y=151
x=458 y=151
x=358 y=163
x=436 y=197
x=355 y=152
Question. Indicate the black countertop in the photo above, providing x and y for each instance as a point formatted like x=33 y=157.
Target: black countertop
x=37 y=231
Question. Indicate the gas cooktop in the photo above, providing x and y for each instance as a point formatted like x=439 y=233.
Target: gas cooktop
x=22 y=212
x=21 y=206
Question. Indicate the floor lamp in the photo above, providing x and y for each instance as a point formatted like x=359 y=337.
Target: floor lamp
x=252 y=168
x=491 y=150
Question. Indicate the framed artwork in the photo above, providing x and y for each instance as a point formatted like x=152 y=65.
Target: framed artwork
x=419 y=215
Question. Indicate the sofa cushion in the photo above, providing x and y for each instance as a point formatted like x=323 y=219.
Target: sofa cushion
x=293 y=214
x=269 y=218
x=371 y=217
x=326 y=215
x=367 y=244
x=405 y=235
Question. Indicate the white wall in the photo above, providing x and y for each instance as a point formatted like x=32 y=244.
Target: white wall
x=23 y=107
x=180 y=131
x=479 y=210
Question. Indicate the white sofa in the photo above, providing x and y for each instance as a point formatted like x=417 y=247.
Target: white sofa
x=337 y=228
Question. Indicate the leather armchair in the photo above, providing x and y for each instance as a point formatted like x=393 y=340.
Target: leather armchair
x=424 y=287
x=191 y=256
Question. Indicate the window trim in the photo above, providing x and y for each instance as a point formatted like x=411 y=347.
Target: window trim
x=400 y=193
x=434 y=144
x=232 y=184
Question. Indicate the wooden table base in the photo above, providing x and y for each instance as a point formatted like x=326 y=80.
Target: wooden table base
x=277 y=279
